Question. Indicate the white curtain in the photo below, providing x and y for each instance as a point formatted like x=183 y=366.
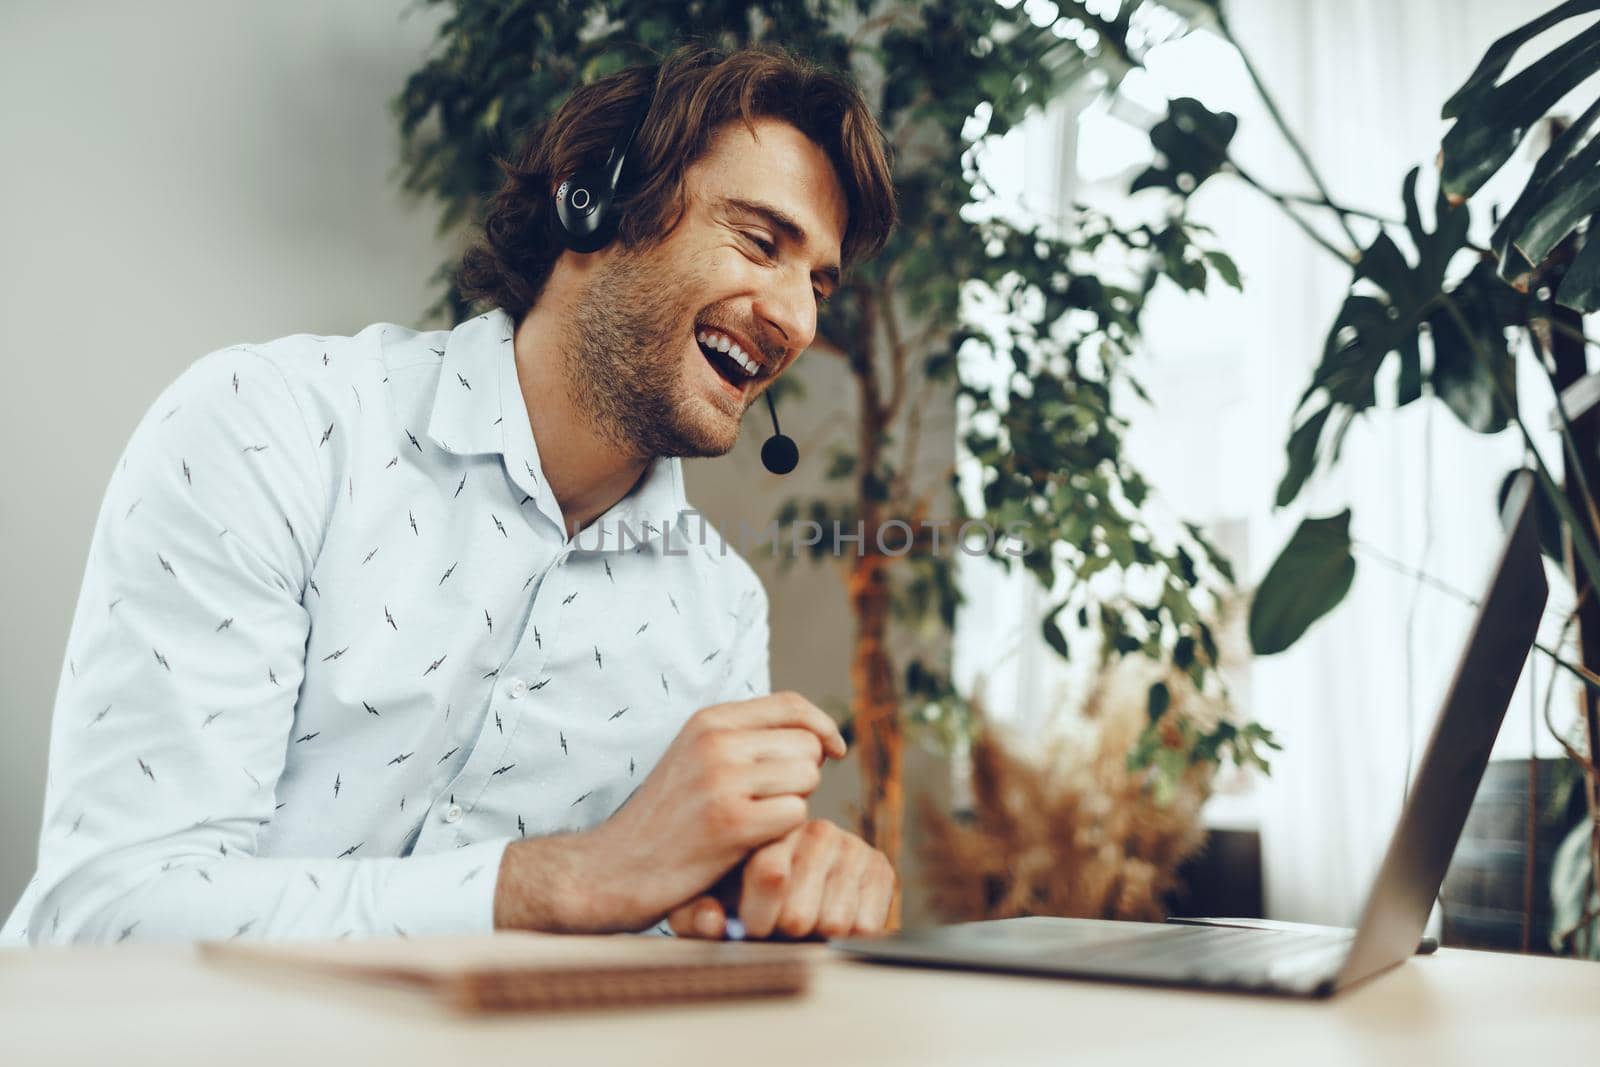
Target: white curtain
x=1361 y=82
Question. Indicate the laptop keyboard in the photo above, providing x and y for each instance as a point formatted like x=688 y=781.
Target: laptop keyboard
x=1295 y=961
x=1250 y=957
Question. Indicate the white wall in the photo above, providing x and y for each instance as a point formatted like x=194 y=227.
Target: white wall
x=178 y=176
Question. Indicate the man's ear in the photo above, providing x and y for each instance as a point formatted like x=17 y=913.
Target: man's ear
x=573 y=266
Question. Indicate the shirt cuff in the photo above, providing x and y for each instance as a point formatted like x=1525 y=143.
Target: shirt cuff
x=445 y=892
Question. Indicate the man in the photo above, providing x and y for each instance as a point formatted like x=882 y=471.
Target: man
x=346 y=662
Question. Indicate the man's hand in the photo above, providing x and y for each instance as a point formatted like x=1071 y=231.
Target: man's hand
x=816 y=880
x=736 y=777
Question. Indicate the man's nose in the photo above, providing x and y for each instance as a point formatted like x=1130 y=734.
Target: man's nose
x=789 y=310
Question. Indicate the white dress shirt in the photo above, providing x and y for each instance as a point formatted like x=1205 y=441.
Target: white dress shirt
x=334 y=650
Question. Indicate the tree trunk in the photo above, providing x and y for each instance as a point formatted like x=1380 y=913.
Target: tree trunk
x=874 y=697
x=876 y=712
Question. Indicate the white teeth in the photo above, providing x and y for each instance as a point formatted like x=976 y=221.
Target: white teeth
x=719 y=343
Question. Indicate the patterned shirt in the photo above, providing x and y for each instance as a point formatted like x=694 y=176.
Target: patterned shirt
x=334 y=650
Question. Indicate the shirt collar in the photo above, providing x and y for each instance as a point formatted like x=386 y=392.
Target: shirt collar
x=478 y=409
x=467 y=417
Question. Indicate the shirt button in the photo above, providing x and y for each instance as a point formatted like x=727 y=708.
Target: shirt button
x=518 y=688
x=452 y=813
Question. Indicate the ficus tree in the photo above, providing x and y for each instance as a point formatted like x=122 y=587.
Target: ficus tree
x=1043 y=377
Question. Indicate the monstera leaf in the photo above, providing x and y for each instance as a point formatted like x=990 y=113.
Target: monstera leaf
x=1563 y=192
x=1392 y=301
x=1307 y=580
x=1474 y=371
x=1192 y=142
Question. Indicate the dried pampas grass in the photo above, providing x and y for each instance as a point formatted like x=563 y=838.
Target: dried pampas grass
x=1070 y=831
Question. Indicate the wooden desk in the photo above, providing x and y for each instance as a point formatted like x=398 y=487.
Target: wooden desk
x=120 y=1007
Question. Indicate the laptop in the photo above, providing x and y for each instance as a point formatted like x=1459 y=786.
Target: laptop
x=1298 y=961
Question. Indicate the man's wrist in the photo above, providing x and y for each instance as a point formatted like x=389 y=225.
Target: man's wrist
x=552 y=884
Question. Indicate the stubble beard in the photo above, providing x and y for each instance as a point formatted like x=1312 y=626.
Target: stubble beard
x=624 y=363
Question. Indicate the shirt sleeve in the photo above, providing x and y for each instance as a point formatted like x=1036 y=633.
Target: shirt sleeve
x=176 y=704
x=749 y=673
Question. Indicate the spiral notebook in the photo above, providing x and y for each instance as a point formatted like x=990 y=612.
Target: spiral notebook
x=514 y=971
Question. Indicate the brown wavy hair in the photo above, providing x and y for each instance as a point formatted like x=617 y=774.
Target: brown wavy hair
x=697 y=89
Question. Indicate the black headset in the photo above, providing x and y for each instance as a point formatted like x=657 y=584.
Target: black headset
x=585 y=222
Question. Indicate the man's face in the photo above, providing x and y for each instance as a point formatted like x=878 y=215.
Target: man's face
x=757 y=247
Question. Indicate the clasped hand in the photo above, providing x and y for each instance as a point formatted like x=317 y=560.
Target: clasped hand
x=816 y=880
x=727 y=804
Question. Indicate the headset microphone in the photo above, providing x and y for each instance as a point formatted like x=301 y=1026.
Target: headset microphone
x=779 y=454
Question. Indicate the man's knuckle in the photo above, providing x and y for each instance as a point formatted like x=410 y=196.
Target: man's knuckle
x=711 y=746
x=793 y=924
x=724 y=815
x=812 y=775
x=780 y=815
x=833 y=926
x=791 y=811
x=769 y=871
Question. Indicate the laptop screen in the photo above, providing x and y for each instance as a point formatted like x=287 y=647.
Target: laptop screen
x=1453 y=762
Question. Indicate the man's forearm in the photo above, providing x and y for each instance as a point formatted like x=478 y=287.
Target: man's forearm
x=182 y=888
x=553 y=884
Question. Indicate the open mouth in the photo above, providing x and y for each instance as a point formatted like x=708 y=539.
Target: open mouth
x=723 y=353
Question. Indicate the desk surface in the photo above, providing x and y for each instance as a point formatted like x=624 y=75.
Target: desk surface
x=164 y=1005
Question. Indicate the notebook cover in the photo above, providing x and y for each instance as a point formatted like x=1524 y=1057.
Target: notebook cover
x=517 y=971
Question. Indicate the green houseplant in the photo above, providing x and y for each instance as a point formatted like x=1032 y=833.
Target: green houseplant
x=1047 y=428
x=1453 y=319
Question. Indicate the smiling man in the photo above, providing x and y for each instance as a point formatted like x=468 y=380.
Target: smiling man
x=346 y=658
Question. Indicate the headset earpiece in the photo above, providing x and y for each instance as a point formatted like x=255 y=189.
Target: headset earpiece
x=585 y=219
x=583 y=209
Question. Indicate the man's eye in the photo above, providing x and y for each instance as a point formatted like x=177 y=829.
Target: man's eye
x=822 y=298
x=766 y=246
